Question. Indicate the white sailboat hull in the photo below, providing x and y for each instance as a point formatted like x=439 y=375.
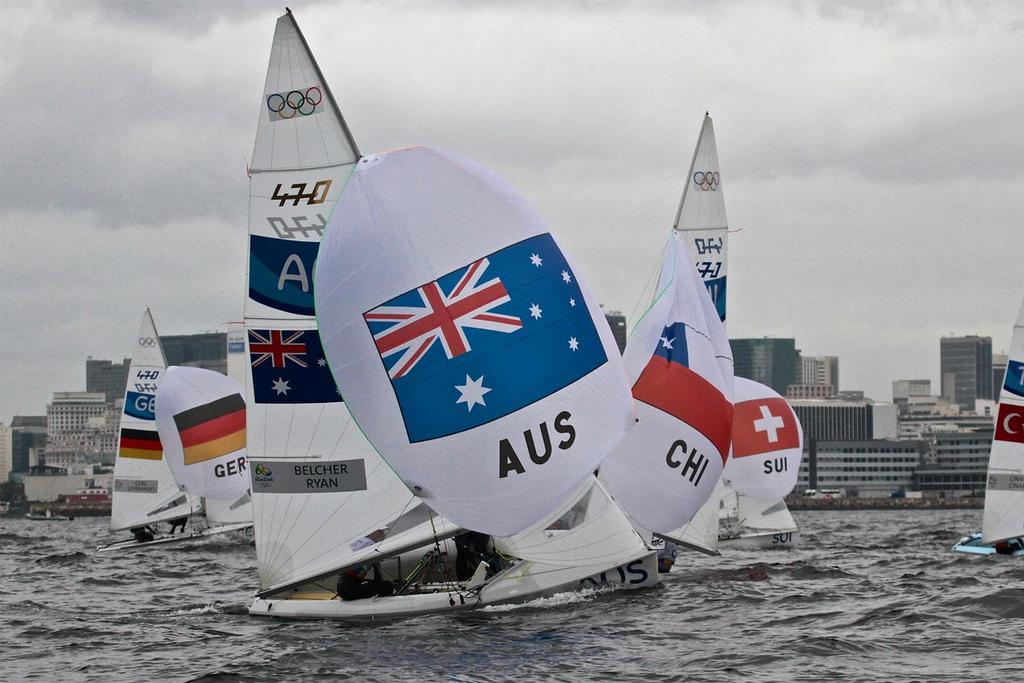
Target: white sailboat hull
x=762 y=540
x=522 y=582
x=132 y=544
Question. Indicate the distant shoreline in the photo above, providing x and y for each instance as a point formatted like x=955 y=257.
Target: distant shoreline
x=810 y=504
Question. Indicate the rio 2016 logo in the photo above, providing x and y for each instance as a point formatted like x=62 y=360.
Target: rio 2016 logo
x=263 y=473
x=706 y=180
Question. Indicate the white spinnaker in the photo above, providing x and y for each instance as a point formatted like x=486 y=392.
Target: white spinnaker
x=144 y=489
x=680 y=364
x=767 y=442
x=763 y=515
x=299 y=166
x=1004 y=494
x=522 y=429
x=200 y=415
x=589 y=529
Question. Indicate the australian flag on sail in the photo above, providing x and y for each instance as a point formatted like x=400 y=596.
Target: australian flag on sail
x=289 y=366
x=486 y=340
x=281 y=273
x=669 y=384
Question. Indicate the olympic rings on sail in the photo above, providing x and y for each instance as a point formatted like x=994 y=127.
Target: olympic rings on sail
x=148 y=342
x=706 y=180
x=287 y=105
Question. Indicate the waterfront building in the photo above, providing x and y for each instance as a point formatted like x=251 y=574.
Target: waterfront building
x=904 y=389
x=107 y=377
x=966 y=369
x=208 y=350
x=864 y=467
x=79 y=426
x=768 y=360
x=28 y=437
x=957 y=464
x=810 y=391
x=999 y=363
x=820 y=370
x=47 y=484
x=835 y=420
x=940 y=417
x=6 y=452
x=617 y=321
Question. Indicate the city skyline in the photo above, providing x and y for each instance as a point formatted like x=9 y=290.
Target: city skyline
x=875 y=213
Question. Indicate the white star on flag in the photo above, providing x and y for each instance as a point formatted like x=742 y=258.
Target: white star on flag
x=536 y=260
x=535 y=311
x=572 y=302
x=281 y=386
x=666 y=343
x=472 y=392
x=573 y=344
x=566 y=277
x=322 y=362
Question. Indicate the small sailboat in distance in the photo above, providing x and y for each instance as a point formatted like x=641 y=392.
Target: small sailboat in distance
x=1002 y=527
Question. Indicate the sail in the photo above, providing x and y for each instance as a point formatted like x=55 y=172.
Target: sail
x=221 y=512
x=588 y=529
x=1004 y=493
x=464 y=341
x=679 y=360
x=767 y=442
x=321 y=497
x=200 y=415
x=144 y=491
x=701 y=532
x=701 y=217
x=763 y=514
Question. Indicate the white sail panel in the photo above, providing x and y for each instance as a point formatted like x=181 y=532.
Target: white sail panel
x=466 y=340
x=222 y=512
x=767 y=442
x=681 y=366
x=144 y=489
x=300 y=126
x=763 y=515
x=588 y=529
x=701 y=532
x=1004 y=493
x=701 y=217
x=200 y=415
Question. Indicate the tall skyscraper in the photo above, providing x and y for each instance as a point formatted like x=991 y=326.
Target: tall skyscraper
x=999 y=363
x=770 y=361
x=617 y=321
x=107 y=377
x=966 y=369
x=28 y=434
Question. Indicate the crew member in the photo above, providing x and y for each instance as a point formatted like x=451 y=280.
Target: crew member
x=666 y=557
x=472 y=550
x=355 y=585
x=142 y=534
x=180 y=522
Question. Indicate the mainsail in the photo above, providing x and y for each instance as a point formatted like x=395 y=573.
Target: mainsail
x=144 y=489
x=1004 y=492
x=467 y=347
x=200 y=415
x=322 y=498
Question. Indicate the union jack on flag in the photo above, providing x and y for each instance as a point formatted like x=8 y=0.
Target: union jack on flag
x=429 y=314
x=277 y=346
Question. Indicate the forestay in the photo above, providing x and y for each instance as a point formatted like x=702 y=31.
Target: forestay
x=767 y=442
x=200 y=415
x=464 y=341
x=144 y=491
x=1004 y=493
x=318 y=488
x=680 y=363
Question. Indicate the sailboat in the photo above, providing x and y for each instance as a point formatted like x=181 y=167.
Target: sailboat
x=1002 y=526
x=701 y=219
x=325 y=503
x=145 y=495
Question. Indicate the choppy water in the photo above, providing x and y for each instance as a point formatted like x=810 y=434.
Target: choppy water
x=868 y=596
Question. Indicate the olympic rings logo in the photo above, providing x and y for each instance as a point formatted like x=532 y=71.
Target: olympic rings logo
x=148 y=342
x=294 y=102
x=706 y=180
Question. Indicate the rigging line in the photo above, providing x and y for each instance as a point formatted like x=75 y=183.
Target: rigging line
x=640 y=297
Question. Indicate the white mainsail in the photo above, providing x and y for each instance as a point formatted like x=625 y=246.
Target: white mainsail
x=464 y=340
x=144 y=490
x=350 y=506
x=1004 y=494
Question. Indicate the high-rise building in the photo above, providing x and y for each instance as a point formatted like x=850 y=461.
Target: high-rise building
x=78 y=426
x=770 y=361
x=6 y=451
x=617 y=321
x=836 y=420
x=28 y=436
x=107 y=377
x=966 y=369
x=999 y=363
x=904 y=389
x=820 y=370
x=208 y=350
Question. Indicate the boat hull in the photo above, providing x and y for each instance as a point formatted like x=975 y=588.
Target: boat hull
x=972 y=545
x=522 y=582
x=767 y=540
x=132 y=544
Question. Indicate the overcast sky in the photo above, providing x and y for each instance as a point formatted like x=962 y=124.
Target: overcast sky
x=871 y=155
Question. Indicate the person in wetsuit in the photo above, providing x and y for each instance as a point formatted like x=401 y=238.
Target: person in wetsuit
x=179 y=523
x=354 y=583
x=472 y=550
x=142 y=534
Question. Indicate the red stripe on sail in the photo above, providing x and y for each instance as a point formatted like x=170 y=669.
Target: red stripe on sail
x=682 y=393
x=214 y=429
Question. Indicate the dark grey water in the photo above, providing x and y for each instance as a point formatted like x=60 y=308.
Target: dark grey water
x=869 y=596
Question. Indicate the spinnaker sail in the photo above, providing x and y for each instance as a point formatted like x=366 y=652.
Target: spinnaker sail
x=767 y=443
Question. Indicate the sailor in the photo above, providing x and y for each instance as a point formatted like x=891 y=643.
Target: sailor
x=180 y=522
x=142 y=534
x=472 y=550
x=354 y=583
x=666 y=557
